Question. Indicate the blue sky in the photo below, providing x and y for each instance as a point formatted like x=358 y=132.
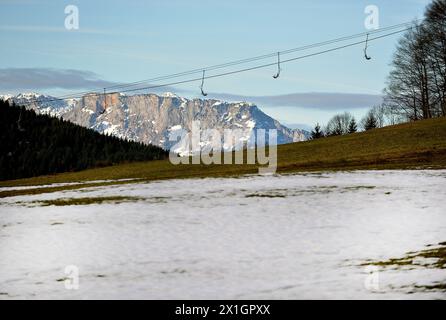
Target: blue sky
x=125 y=41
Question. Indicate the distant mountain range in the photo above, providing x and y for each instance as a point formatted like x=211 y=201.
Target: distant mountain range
x=149 y=118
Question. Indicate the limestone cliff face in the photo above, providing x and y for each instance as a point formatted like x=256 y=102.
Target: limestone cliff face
x=150 y=118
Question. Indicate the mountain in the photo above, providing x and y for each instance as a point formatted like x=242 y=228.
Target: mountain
x=46 y=104
x=150 y=118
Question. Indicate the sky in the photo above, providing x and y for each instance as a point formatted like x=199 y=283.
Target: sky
x=127 y=41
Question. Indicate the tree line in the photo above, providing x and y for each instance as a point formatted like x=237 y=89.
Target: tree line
x=345 y=123
x=416 y=85
x=33 y=145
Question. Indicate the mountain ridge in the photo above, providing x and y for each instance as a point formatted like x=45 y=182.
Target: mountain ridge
x=149 y=118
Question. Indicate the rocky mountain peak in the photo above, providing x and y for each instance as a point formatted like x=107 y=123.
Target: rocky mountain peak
x=149 y=118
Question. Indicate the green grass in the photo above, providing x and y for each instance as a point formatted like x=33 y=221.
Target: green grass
x=415 y=145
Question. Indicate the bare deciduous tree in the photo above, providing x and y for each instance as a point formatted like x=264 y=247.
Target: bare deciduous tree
x=338 y=124
x=417 y=84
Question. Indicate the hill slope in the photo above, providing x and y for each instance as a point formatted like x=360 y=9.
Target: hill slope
x=420 y=144
x=33 y=145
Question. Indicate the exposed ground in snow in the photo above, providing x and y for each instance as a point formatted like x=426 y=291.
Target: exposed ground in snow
x=289 y=236
x=53 y=185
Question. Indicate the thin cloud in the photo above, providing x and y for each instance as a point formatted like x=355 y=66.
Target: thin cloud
x=49 y=78
x=312 y=100
x=37 y=79
x=46 y=79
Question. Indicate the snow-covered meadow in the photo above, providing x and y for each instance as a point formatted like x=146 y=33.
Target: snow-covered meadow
x=285 y=236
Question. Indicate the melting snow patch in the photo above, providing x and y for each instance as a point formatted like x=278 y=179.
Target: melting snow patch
x=250 y=124
x=174 y=128
x=169 y=95
x=112 y=129
x=87 y=110
x=300 y=236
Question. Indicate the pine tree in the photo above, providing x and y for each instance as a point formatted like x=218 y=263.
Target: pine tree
x=352 y=126
x=317 y=132
x=370 y=122
x=48 y=145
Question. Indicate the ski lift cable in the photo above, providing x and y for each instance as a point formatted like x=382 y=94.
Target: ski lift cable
x=266 y=56
x=264 y=65
x=247 y=60
x=89 y=93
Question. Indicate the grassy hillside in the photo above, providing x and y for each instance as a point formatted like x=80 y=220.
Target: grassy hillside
x=420 y=144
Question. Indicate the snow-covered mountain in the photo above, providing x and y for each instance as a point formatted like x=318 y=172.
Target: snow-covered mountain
x=150 y=118
x=42 y=103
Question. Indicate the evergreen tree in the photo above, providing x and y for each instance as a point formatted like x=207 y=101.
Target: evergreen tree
x=317 y=132
x=39 y=144
x=370 y=122
x=352 y=126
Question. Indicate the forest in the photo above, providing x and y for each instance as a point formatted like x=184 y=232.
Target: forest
x=35 y=144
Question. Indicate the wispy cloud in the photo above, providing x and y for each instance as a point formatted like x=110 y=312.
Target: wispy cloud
x=38 y=79
x=46 y=79
x=312 y=100
x=49 y=78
